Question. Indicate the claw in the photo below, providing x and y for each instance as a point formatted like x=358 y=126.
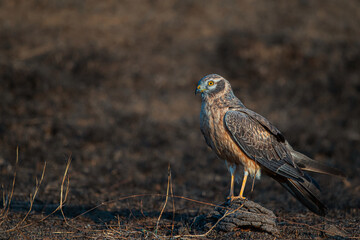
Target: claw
x=236 y=198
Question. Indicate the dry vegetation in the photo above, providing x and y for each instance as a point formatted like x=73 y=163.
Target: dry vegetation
x=111 y=84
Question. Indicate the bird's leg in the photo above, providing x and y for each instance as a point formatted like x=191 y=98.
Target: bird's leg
x=232 y=169
x=231 y=194
x=246 y=173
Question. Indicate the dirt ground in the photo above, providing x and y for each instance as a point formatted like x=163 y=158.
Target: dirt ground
x=111 y=83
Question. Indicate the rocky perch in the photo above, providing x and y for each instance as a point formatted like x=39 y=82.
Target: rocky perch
x=237 y=215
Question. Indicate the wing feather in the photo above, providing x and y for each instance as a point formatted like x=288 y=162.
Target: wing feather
x=261 y=142
x=263 y=121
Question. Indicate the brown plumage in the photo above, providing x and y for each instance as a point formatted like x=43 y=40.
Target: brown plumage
x=242 y=137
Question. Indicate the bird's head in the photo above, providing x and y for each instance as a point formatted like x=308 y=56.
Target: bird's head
x=211 y=84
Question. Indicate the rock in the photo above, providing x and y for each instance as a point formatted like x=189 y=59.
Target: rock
x=240 y=214
x=332 y=230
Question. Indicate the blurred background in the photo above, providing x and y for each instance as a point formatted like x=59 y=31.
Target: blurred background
x=112 y=83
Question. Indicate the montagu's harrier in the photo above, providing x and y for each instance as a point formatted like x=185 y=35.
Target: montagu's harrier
x=242 y=137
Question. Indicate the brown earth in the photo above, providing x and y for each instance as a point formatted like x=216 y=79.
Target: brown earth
x=112 y=83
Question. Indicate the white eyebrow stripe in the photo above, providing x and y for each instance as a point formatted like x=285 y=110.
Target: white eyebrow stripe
x=214 y=80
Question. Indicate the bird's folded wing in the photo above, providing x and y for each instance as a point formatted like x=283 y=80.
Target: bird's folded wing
x=261 y=143
x=265 y=123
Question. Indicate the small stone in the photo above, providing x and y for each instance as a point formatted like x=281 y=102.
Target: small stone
x=332 y=230
x=183 y=230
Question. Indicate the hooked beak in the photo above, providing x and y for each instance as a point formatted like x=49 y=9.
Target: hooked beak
x=199 y=89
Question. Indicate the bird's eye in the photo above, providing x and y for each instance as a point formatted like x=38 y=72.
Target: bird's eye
x=211 y=83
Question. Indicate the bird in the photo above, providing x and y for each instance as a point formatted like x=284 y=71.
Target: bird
x=244 y=138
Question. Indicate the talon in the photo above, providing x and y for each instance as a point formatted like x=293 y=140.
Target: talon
x=229 y=198
x=237 y=197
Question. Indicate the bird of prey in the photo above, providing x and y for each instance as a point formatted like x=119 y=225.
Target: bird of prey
x=242 y=137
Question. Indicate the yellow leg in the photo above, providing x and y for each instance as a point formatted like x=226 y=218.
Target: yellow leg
x=243 y=185
x=231 y=195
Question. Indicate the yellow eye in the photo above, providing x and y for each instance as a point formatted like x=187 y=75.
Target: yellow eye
x=210 y=83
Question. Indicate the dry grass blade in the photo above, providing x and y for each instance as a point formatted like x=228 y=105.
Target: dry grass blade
x=7 y=200
x=32 y=199
x=62 y=197
x=173 y=206
x=166 y=199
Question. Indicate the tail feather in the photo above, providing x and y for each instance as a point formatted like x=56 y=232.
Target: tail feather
x=306 y=192
x=307 y=164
